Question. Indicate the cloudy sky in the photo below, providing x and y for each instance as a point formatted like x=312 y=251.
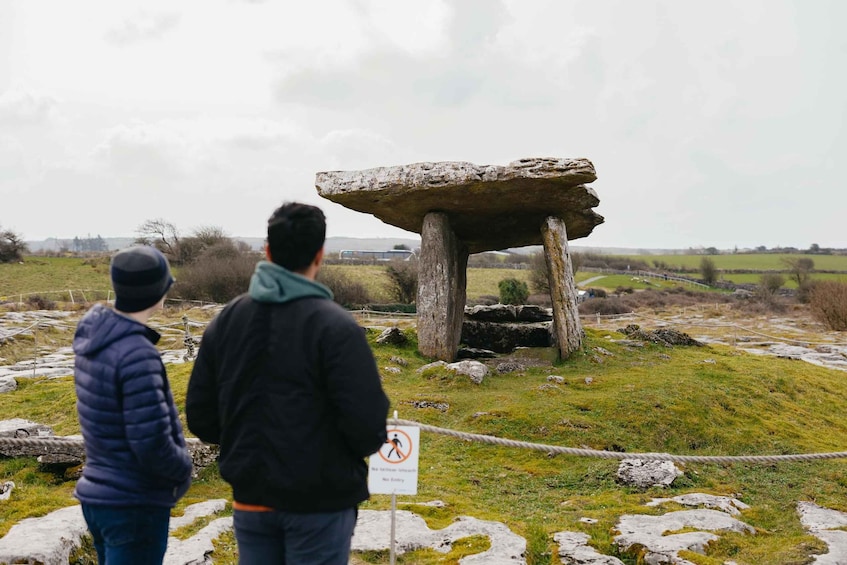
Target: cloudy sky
x=717 y=123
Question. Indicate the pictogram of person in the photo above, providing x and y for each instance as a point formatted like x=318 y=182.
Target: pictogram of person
x=396 y=444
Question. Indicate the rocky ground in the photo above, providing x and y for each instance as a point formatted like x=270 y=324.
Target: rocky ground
x=49 y=539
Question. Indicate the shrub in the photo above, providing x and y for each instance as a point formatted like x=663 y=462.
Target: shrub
x=219 y=274
x=513 y=291
x=12 y=247
x=604 y=306
x=38 y=302
x=596 y=292
x=828 y=302
x=538 y=276
x=708 y=271
x=403 y=281
x=347 y=292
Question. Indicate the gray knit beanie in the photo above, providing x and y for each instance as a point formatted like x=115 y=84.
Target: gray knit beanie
x=140 y=276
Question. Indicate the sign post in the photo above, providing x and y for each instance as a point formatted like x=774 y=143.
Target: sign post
x=394 y=468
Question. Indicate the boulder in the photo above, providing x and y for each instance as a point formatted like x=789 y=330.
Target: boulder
x=8 y=384
x=473 y=369
x=645 y=474
x=392 y=336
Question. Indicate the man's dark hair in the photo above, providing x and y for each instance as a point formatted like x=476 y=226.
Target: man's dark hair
x=296 y=232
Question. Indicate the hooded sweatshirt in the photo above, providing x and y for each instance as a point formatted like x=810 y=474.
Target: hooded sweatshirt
x=286 y=384
x=135 y=451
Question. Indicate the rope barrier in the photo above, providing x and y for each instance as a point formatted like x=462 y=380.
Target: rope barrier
x=578 y=452
x=5 y=336
x=760 y=459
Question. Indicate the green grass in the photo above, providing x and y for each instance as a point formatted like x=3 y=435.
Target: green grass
x=741 y=261
x=649 y=399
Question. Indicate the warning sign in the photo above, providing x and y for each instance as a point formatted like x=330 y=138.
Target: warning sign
x=394 y=468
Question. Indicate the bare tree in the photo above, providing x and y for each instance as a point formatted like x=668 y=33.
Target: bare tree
x=799 y=269
x=163 y=235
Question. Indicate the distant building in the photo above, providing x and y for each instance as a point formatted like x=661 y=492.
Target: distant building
x=360 y=255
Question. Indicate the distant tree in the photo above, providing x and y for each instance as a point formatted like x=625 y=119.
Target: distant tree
x=539 y=276
x=708 y=271
x=513 y=291
x=814 y=249
x=403 y=281
x=163 y=235
x=12 y=246
x=761 y=249
x=799 y=269
x=711 y=251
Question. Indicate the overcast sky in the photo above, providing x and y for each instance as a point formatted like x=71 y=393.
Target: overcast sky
x=718 y=123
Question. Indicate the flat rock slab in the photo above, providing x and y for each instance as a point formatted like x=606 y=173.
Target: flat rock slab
x=490 y=207
x=826 y=525
x=373 y=532
x=655 y=532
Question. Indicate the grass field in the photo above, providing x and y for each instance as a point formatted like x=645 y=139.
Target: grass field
x=756 y=262
x=707 y=401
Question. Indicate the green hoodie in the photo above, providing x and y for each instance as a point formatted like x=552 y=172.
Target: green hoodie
x=273 y=283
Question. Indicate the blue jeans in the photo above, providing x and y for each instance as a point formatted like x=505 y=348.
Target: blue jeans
x=128 y=535
x=289 y=538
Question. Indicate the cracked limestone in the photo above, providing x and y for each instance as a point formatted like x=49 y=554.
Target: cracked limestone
x=461 y=208
x=373 y=527
x=827 y=525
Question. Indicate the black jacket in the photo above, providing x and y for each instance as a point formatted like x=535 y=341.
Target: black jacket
x=292 y=394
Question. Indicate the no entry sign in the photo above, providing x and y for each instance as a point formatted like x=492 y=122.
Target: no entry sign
x=394 y=468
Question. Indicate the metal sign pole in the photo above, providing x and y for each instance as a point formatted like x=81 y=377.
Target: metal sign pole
x=391 y=552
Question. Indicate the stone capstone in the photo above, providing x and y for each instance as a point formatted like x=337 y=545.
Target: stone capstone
x=490 y=207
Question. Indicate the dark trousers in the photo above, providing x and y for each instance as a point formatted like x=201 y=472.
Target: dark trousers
x=289 y=538
x=131 y=535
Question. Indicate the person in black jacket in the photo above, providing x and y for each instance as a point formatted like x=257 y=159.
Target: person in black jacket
x=286 y=384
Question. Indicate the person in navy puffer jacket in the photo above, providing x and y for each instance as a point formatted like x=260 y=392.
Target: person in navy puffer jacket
x=136 y=463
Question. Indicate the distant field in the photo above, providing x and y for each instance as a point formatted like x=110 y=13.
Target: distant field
x=54 y=276
x=757 y=262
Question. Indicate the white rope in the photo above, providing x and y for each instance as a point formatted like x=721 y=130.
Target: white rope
x=579 y=452
x=760 y=459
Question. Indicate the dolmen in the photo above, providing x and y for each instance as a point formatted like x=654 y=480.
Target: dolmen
x=461 y=208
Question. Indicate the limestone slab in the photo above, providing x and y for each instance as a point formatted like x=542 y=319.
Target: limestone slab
x=490 y=206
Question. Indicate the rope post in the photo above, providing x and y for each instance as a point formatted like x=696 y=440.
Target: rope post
x=392 y=554
x=35 y=349
x=188 y=340
x=71 y=293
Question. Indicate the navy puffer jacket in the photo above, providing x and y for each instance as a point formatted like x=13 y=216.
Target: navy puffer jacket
x=134 y=446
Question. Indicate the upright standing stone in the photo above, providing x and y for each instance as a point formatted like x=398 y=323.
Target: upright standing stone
x=562 y=288
x=442 y=287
